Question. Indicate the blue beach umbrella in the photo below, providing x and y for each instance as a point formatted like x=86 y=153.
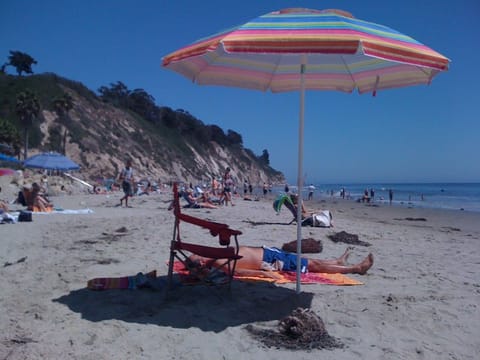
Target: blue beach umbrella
x=51 y=161
x=8 y=158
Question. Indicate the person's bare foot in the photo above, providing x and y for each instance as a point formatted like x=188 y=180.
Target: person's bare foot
x=343 y=259
x=364 y=265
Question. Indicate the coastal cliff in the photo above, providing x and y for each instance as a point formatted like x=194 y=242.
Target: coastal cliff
x=100 y=135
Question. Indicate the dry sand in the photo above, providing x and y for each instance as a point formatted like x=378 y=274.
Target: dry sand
x=419 y=301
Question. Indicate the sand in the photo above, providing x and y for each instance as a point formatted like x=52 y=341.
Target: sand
x=419 y=300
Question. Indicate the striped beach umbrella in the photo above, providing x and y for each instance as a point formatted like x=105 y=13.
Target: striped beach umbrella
x=299 y=49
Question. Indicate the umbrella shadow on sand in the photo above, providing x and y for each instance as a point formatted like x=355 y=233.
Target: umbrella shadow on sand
x=203 y=307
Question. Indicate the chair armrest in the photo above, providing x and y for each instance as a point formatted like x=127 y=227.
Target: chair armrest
x=214 y=227
x=207 y=251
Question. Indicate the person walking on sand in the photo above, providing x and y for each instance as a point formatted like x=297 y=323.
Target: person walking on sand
x=127 y=179
x=265 y=261
x=390 y=196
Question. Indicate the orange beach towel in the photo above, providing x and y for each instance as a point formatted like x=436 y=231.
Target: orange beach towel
x=289 y=277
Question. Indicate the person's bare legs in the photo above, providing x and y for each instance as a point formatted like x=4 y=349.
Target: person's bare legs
x=316 y=265
x=341 y=260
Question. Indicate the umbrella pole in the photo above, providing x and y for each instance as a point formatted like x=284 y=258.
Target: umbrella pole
x=300 y=172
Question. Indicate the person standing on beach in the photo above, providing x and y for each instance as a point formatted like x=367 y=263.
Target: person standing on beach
x=126 y=177
x=311 y=189
x=227 y=187
x=390 y=195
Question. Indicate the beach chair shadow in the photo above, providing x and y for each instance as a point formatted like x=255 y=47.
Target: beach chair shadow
x=189 y=306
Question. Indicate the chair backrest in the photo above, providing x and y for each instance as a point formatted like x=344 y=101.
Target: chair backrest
x=286 y=201
x=216 y=229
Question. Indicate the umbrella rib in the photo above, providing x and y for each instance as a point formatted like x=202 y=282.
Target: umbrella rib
x=349 y=72
x=214 y=57
x=269 y=85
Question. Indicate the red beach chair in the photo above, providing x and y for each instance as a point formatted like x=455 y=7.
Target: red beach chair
x=180 y=250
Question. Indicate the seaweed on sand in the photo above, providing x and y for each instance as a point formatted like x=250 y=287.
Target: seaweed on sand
x=347 y=238
x=301 y=330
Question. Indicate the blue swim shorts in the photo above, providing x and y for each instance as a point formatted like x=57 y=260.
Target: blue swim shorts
x=276 y=259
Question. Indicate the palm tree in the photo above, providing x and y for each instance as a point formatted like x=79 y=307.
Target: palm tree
x=22 y=62
x=62 y=105
x=27 y=109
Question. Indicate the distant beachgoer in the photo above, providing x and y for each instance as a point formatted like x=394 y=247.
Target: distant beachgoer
x=201 y=201
x=250 y=188
x=228 y=187
x=372 y=194
x=127 y=178
x=36 y=199
x=215 y=186
x=365 y=198
x=3 y=204
x=311 y=189
x=390 y=196
x=265 y=189
x=287 y=189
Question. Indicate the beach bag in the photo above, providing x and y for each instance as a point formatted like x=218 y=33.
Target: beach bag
x=323 y=219
x=25 y=216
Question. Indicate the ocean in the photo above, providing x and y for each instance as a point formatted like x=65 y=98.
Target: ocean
x=453 y=196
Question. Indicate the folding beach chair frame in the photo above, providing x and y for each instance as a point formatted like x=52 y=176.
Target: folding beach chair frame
x=288 y=203
x=179 y=250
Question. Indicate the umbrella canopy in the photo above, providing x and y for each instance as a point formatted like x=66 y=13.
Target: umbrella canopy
x=340 y=53
x=51 y=161
x=298 y=49
x=6 y=171
x=8 y=158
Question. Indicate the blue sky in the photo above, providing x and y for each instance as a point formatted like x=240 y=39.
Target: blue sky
x=417 y=134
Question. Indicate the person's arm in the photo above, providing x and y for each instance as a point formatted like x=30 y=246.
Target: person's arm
x=259 y=273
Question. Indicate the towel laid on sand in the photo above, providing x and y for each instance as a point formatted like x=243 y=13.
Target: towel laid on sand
x=124 y=282
x=289 y=277
x=66 y=211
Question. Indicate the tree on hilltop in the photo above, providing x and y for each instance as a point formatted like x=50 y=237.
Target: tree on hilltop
x=22 y=62
x=9 y=136
x=27 y=109
x=117 y=94
x=62 y=105
x=265 y=157
x=234 y=138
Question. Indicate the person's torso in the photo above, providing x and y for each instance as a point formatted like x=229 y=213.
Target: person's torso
x=127 y=174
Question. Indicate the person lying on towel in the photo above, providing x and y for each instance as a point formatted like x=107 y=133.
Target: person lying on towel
x=265 y=261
